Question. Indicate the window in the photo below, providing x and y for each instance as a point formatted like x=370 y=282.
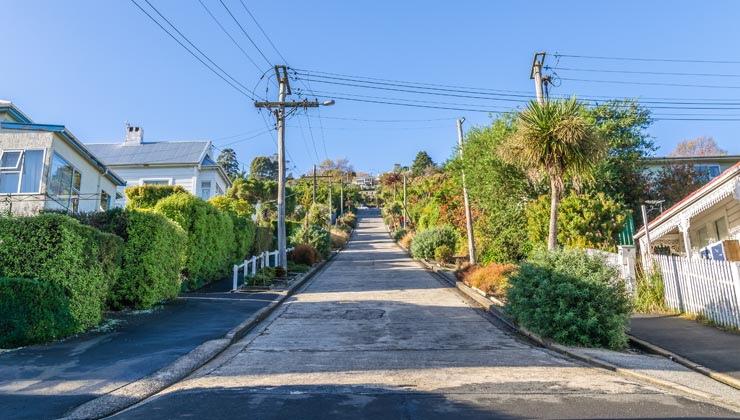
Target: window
x=720 y=228
x=104 y=201
x=219 y=190
x=64 y=183
x=155 y=181
x=205 y=190
x=712 y=171
x=20 y=171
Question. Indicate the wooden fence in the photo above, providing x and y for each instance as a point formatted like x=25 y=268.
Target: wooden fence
x=702 y=287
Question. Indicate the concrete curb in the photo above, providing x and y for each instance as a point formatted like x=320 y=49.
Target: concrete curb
x=717 y=376
x=495 y=308
x=134 y=392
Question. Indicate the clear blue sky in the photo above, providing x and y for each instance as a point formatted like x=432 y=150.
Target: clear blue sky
x=93 y=65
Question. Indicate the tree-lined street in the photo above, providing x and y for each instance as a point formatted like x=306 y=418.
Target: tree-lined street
x=377 y=336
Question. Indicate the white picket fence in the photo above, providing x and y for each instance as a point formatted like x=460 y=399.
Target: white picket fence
x=250 y=266
x=623 y=261
x=698 y=286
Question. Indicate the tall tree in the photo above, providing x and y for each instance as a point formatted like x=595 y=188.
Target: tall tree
x=621 y=175
x=227 y=160
x=338 y=169
x=422 y=163
x=700 y=146
x=264 y=168
x=558 y=139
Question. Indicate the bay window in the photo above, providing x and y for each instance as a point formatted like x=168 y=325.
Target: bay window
x=64 y=183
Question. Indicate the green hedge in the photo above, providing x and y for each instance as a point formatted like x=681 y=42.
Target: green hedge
x=210 y=245
x=426 y=241
x=571 y=297
x=153 y=257
x=147 y=196
x=54 y=248
x=244 y=228
x=33 y=311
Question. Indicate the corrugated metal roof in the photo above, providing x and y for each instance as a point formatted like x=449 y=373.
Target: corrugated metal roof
x=150 y=153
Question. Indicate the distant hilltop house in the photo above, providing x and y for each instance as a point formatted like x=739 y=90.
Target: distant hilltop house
x=189 y=164
x=45 y=167
x=705 y=224
x=365 y=182
x=711 y=165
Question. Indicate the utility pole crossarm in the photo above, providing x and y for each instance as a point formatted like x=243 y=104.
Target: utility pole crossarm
x=291 y=104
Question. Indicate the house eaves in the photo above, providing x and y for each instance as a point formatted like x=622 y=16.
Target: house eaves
x=690 y=199
x=73 y=141
x=7 y=106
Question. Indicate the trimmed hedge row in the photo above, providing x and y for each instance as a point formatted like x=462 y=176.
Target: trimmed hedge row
x=33 y=311
x=153 y=256
x=210 y=244
x=147 y=196
x=81 y=261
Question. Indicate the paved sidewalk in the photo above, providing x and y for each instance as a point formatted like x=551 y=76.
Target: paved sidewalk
x=376 y=336
x=46 y=381
x=707 y=346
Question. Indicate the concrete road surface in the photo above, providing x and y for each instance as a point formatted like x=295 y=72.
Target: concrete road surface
x=376 y=336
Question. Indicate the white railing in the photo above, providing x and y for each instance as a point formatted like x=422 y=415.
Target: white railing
x=706 y=287
x=250 y=266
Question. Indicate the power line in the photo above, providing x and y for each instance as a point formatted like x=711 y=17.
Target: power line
x=229 y=35
x=246 y=138
x=388 y=121
x=245 y=32
x=622 y=82
x=190 y=51
x=666 y=60
x=263 y=32
x=661 y=73
x=194 y=46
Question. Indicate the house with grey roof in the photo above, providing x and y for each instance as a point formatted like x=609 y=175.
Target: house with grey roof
x=45 y=167
x=189 y=164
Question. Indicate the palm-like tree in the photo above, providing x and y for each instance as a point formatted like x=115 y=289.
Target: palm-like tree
x=555 y=138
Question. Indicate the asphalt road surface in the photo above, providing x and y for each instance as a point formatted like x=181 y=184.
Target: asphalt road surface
x=376 y=336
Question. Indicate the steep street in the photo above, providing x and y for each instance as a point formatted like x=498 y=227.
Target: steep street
x=376 y=336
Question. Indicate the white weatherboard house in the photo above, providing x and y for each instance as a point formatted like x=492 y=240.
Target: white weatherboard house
x=45 y=167
x=705 y=224
x=189 y=164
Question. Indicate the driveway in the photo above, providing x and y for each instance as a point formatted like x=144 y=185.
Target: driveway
x=46 y=381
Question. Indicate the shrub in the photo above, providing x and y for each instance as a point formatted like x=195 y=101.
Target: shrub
x=400 y=233
x=584 y=221
x=297 y=268
x=569 y=296
x=152 y=261
x=147 y=196
x=305 y=254
x=425 y=242
x=407 y=239
x=318 y=215
x=650 y=295
x=210 y=245
x=443 y=254
x=244 y=230
x=80 y=260
x=33 y=311
x=338 y=238
x=349 y=219
x=263 y=277
x=315 y=236
x=263 y=239
x=153 y=256
x=492 y=278
x=290 y=227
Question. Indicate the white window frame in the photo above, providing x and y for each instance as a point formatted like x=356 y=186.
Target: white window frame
x=210 y=187
x=73 y=200
x=19 y=168
x=143 y=181
x=17 y=163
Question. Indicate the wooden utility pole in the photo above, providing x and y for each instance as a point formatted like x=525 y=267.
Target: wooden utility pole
x=341 y=197
x=314 y=184
x=404 y=201
x=536 y=74
x=278 y=108
x=468 y=216
x=331 y=211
